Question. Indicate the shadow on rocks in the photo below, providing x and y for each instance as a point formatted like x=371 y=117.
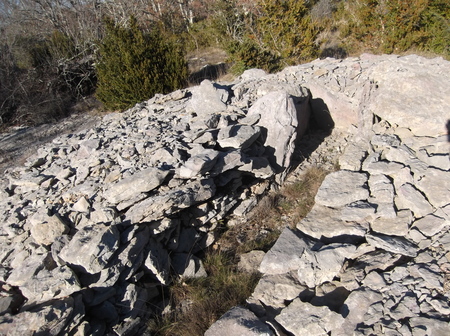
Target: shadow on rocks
x=320 y=126
x=448 y=130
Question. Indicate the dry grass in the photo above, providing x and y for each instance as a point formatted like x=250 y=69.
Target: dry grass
x=300 y=195
x=198 y=303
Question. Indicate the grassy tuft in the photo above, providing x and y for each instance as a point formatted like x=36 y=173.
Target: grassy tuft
x=197 y=303
x=299 y=196
x=200 y=302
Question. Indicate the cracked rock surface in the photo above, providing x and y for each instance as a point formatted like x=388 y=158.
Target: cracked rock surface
x=373 y=255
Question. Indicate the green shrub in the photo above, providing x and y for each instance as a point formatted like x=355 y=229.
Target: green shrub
x=133 y=66
x=285 y=27
x=248 y=55
x=395 y=26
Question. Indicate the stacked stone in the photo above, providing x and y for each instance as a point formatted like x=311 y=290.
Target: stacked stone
x=97 y=223
x=373 y=255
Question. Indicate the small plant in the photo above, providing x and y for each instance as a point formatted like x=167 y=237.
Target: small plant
x=300 y=195
x=198 y=303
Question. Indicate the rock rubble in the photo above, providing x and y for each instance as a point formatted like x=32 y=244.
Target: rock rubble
x=97 y=223
x=373 y=255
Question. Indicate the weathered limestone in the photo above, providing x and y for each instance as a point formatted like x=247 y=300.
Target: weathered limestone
x=341 y=188
x=279 y=134
x=130 y=187
x=98 y=222
x=94 y=246
x=285 y=255
x=239 y=321
x=374 y=251
x=302 y=318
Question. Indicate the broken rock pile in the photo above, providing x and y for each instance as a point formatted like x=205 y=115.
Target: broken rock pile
x=373 y=255
x=97 y=223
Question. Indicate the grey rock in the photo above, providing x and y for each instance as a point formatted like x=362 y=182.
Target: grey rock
x=49 y=319
x=326 y=224
x=422 y=326
x=27 y=270
x=381 y=189
x=317 y=267
x=358 y=211
x=282 y=122
x=407 y=307
x=188 y=266
x=45 y=229
x=355 y=308
x=302 y=318
x=245 y=207
x=239 y=321
x=402 y=154
x=257 y=166
x=432 y=224
x=249 y=262
x=250 y=120
x=277 y=289
x=205 y=99
x=382 y=167
x=227 y=161
x=394 y=104
x=431 y=273
x=353 y=156
x=95 y=245
x=408 y=197
x=252 y=74
x=341 y=188
x=285 y=255
x=382 y=141
x=435 y=183
x=399 y=225
x=131 y=300
x=50 y=284
x=82 y=205
x=199 y=164
x=374 y=281
x=156 y=207
x=158 y=262
x=238 y=136
x=143 y=181
x=393 y=244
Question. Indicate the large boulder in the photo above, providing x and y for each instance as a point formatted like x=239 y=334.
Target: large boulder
x=412 y=83
x=284 y=118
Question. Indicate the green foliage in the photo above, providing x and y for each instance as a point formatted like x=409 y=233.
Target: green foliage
x=248 y=55
x=61 y=46
x=133 y=66
x=285 y=27
x=382 y=26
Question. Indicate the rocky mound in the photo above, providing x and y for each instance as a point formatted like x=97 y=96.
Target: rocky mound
x=373 y=255
x=98 y=222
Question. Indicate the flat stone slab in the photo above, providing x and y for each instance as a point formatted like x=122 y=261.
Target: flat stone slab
x=285 y=255
x=302 y=318
x=341 y=188
x=239 y=321
x=394 y=244
x=327 y=224
x=143 y=181
x=92 y=247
